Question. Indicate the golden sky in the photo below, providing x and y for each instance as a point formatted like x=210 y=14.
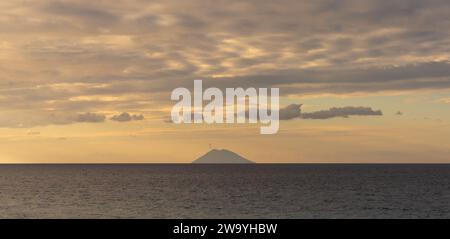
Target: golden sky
x=70 y=69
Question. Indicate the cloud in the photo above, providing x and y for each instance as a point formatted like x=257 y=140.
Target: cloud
x=428 y=75
x=89 y=118
x=290 y=112
x=81 y=49
x=125 y=117
x=90 y=16
x=294 y=111
x=343 y=112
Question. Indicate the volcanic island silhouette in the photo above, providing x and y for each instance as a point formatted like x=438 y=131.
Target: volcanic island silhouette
x=221 y=156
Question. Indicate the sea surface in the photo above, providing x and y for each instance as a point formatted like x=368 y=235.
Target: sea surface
x=225 y=191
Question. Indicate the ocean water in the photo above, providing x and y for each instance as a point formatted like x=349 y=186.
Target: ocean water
x=225 y=191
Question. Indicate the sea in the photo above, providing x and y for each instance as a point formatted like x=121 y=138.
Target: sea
x=182 y=191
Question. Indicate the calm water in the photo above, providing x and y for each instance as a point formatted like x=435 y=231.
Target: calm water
x=225 y=191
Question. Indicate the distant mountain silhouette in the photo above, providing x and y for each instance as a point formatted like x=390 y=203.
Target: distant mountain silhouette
x=223 y=156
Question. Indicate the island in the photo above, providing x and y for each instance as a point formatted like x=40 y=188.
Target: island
x=221 y=156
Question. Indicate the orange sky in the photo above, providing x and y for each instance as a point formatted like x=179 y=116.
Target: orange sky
x=69 y=69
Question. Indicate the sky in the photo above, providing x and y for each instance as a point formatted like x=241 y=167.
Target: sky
x=90 y=81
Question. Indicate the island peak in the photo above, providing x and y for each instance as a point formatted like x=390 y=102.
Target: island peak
x=221 y=156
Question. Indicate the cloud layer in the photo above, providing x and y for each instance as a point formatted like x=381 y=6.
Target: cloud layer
x=294 y=111
x=125 y=117
x=290 y=112
x=343 y=112
x=71 y=56
x=90 y=118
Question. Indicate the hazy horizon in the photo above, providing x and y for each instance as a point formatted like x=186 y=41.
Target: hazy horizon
x=90 y=81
